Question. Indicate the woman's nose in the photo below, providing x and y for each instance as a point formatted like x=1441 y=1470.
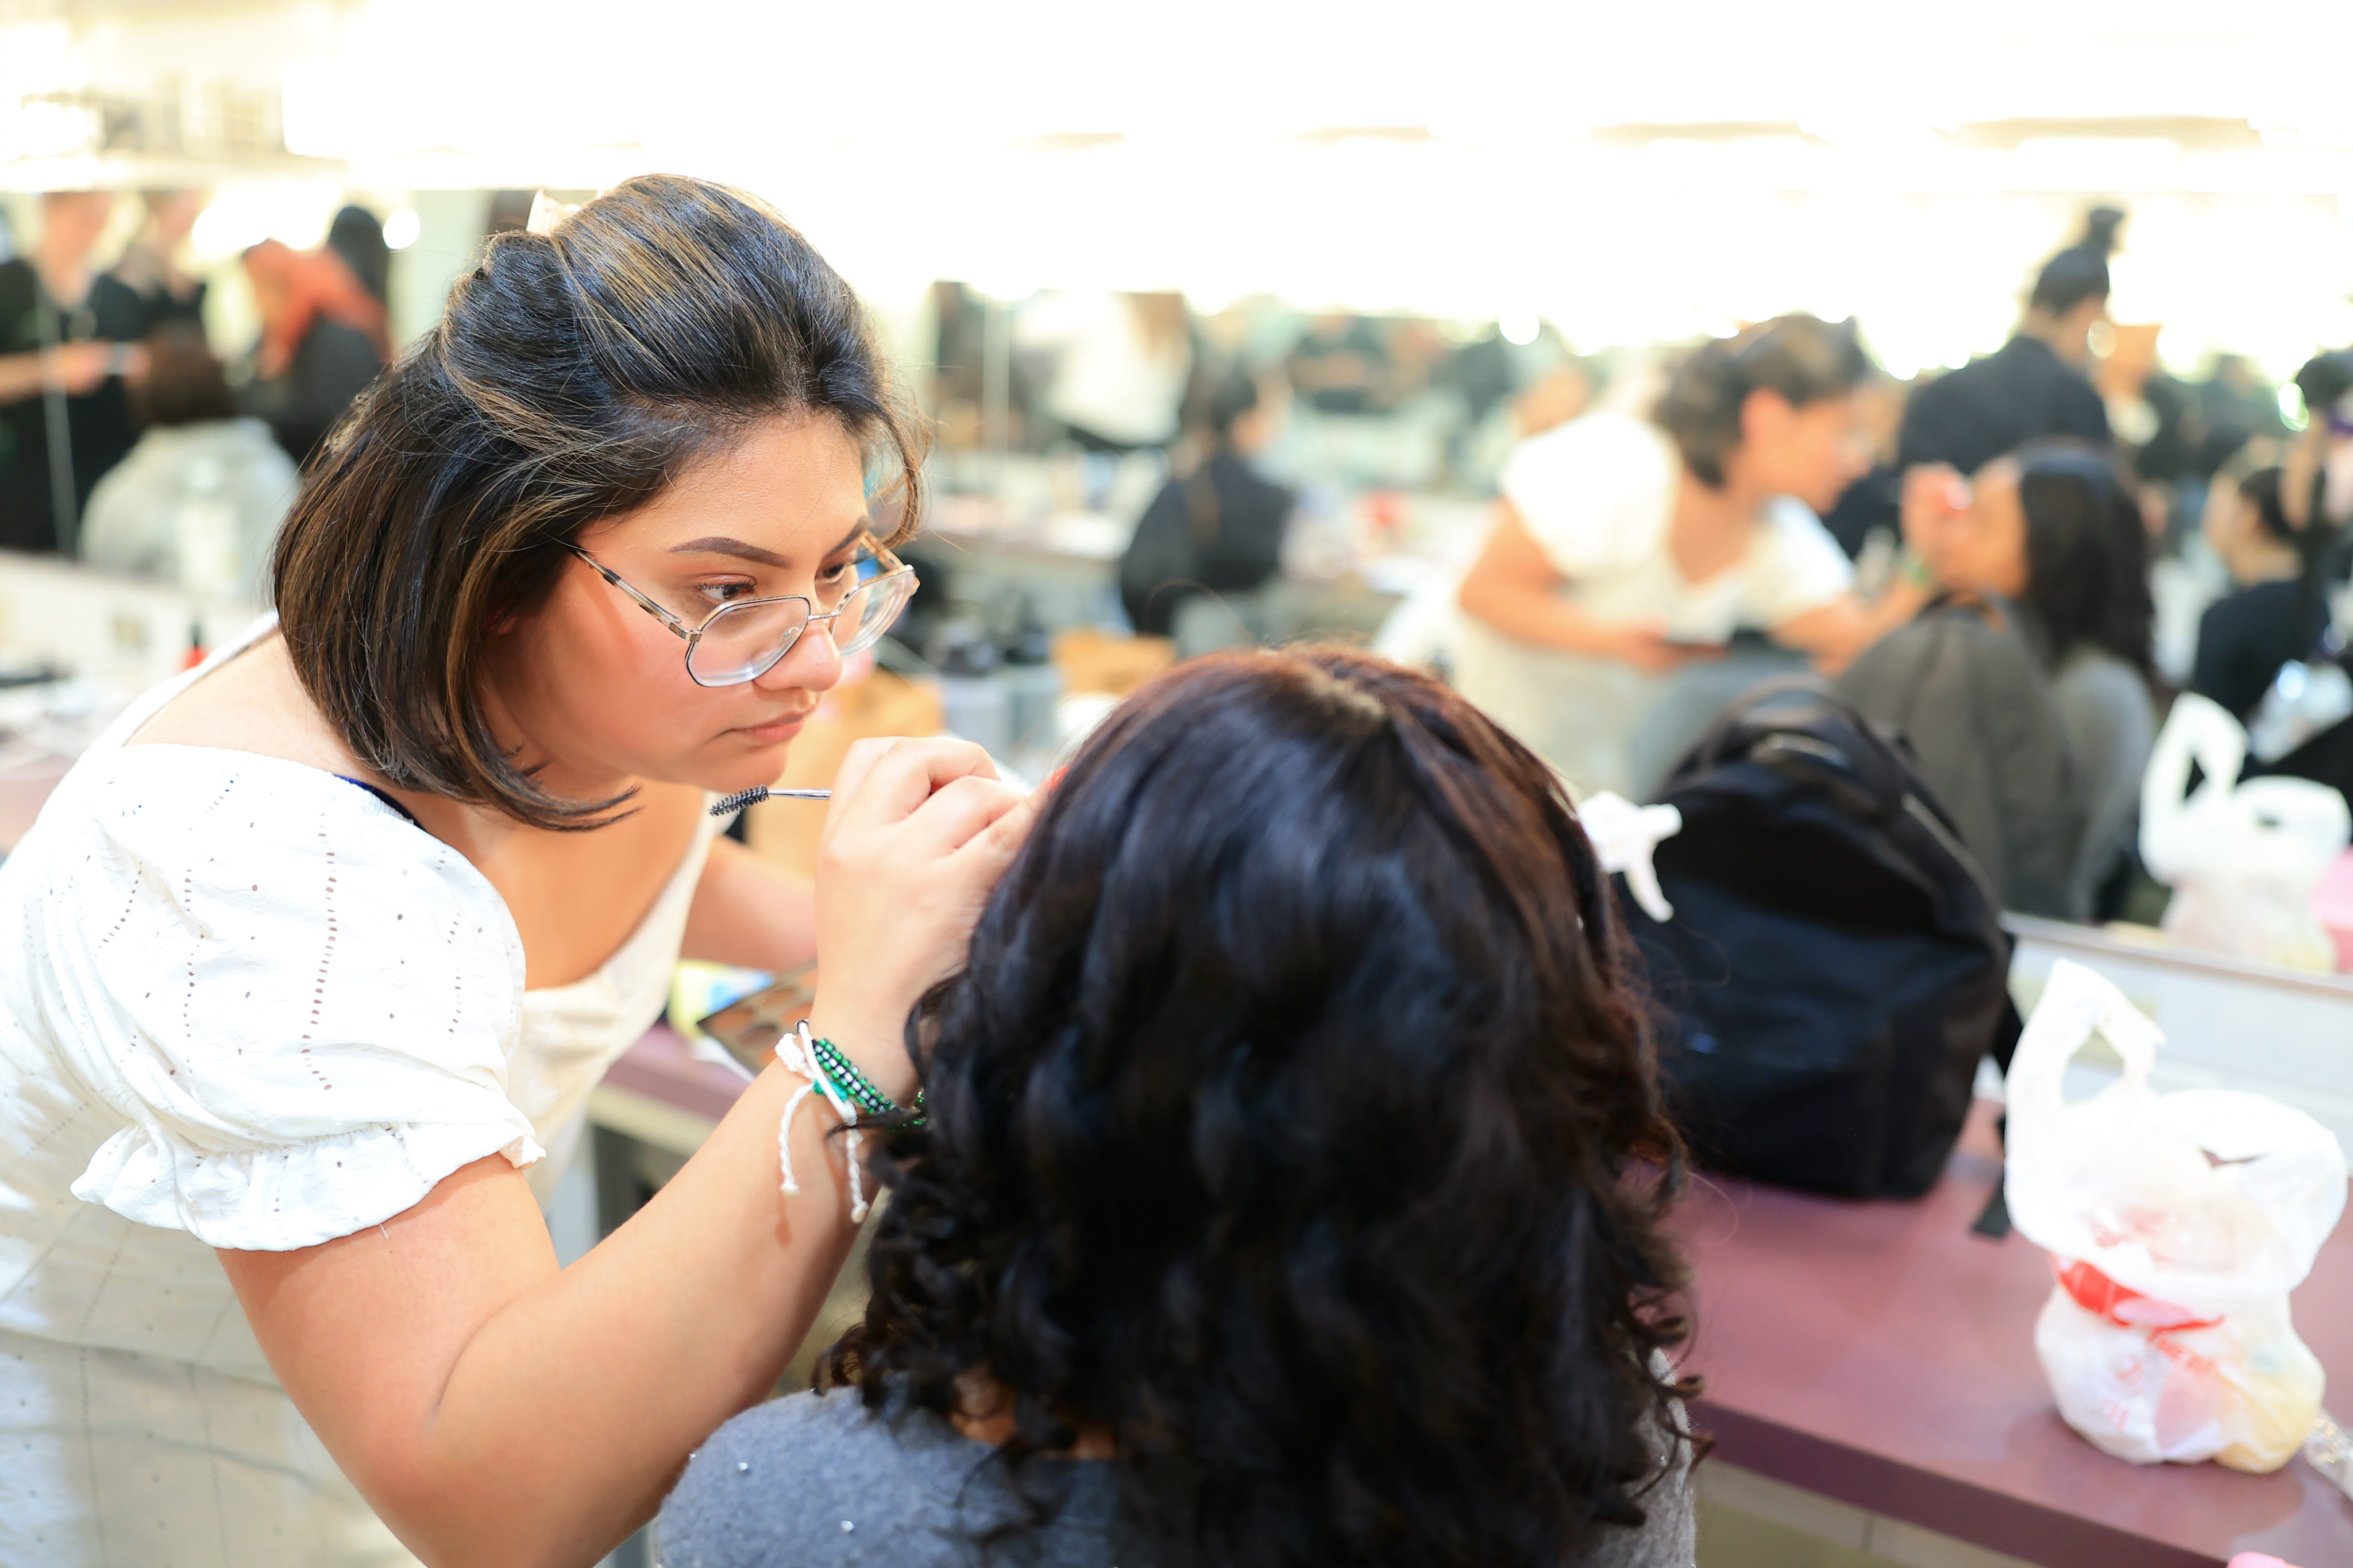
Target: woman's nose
x=811 y=664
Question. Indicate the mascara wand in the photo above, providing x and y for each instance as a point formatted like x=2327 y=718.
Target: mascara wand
x=744 y=798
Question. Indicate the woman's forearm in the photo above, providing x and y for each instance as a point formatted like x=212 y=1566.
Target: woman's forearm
x=749 y=912
x=21 y=376
x=1514 y=588
x=542 y=1419
x=1535 y=615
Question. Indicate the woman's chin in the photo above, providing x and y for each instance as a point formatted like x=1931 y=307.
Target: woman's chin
x=743 y=764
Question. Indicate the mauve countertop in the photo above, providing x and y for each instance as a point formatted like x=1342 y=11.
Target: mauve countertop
x=1884 y=1355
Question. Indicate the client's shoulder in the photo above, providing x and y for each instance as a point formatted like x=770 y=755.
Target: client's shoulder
x=812 y=1479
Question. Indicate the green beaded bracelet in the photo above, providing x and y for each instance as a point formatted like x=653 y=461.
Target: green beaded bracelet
x=853 y=1085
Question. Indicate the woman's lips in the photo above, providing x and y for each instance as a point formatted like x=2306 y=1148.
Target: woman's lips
x=771 y=734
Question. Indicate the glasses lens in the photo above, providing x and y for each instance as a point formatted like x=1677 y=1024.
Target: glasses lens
x=870 y=609
x=744 y=642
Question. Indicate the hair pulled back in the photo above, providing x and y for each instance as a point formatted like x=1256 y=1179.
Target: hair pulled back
x=573 y=375
x=2086 y=553
x=1291 y=1122
x=1802 y=358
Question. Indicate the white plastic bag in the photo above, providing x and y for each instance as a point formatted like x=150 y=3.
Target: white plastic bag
x=2243 y=858
x=2178 y=1224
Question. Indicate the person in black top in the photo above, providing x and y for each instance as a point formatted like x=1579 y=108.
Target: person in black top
x=357 y=235
x=1218 y=528
x=2270 y=618
x=2035 y=385
x=66 y=337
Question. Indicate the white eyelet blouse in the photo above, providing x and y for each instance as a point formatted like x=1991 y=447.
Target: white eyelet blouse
x=243 y=1004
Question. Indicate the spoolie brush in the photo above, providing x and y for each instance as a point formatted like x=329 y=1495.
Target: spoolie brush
x=744 y=798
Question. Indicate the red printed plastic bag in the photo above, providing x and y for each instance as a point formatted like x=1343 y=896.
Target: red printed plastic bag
x=2178 y=1223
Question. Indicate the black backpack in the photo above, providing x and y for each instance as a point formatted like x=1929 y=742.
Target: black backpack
x=1836 y=966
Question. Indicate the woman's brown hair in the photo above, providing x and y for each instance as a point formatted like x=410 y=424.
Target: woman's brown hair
x=1801 y=357
x=571 y=376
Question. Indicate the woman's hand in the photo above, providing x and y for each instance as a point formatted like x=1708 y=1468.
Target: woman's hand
x=1646 y=646
x=917 y=836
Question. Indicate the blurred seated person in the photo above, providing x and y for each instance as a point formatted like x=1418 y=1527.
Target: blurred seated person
x=2276 y=610
x=1217 y=528
x=1625 y=549
x=198 y=501
x=151 y=265
x=1118 y=365
x=1340 y=366
x=2056 y=529
x=67 y=337
x=323 y=343
x=1293 y=1184
x=2036 y=385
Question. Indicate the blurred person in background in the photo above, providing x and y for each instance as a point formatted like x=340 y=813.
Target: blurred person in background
x=66 y=337
x=2317 y=481
x=2269 y=617
x=1341 y=365
x=1120 y=363
x=198 y=501
x=2235 y=405
x=2056 y=529
x=357 y=235
x=1625 y=549
x=150 y=265
x=1217 y=528
x=322 y=343
x=2036 y=385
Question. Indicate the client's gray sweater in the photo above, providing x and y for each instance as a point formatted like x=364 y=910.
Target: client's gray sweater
x=815 y=1482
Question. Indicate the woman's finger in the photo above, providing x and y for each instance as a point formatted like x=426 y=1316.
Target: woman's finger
x=1004 y=835
x=959 y=809
x=888 y=782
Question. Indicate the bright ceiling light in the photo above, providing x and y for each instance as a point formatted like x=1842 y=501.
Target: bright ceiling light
x=401 y=229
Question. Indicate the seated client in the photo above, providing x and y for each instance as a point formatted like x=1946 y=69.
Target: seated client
x=1292 y=1185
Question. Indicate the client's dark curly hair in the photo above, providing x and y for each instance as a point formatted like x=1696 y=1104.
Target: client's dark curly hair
x=1292 y=1122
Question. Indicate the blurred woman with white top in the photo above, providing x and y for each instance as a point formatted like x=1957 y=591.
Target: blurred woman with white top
x=1624 y=549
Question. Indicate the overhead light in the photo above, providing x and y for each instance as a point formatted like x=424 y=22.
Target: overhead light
x=401 y=229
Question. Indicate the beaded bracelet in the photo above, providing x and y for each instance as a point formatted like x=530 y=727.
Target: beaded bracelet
x=854 y=1084
x=835 y=1078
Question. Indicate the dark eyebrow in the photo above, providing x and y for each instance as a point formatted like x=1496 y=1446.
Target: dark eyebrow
x=720 y=544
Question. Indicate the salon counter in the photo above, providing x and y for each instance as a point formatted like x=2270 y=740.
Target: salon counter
x=1882 y=1355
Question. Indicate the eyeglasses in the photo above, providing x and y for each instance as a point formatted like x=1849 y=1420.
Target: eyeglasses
x=744 y=641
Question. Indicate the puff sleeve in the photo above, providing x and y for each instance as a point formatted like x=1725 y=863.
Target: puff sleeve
x=299 y=1006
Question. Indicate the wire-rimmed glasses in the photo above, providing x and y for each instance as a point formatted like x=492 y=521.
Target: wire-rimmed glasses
x=744 y=641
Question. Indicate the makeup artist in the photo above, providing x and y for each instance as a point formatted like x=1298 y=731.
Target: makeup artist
x=315 y=957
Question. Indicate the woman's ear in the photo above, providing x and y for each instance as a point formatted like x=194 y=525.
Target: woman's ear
x=1765 y=417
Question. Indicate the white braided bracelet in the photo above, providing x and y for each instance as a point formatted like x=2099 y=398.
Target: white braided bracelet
x=794 y=1055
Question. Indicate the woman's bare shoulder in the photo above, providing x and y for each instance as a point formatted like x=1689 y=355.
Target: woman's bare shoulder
x=254 y=703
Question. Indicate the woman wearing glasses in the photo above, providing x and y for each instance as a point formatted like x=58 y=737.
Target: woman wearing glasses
x=317 y=955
